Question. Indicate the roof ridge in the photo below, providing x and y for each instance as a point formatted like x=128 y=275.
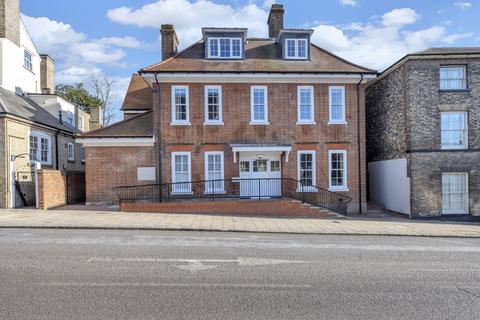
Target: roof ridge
x=172 y=57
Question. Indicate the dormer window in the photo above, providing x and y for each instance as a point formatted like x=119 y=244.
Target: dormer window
x=225 y=48
x=296 y=48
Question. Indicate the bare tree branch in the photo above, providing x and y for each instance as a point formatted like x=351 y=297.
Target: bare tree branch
x=102 y=88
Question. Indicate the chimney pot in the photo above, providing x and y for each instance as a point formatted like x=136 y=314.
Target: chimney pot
x=275 y=20
x=169 y=41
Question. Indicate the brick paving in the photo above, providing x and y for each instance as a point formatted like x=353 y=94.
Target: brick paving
x=157 y=221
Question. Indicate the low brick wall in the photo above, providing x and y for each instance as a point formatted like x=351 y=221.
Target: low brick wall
x=52 y=189
x=234 y=207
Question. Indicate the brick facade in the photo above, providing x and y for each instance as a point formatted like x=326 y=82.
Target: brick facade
x=52 y=190
x=404 y=111
x=283 y=129
x=109 y=167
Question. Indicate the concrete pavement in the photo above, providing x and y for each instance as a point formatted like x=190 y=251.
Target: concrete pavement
x=108 y=274
x=199 y=222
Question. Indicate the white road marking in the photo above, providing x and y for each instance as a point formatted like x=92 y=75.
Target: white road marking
x=177 y=285
x=239 y=261
x=194 y=266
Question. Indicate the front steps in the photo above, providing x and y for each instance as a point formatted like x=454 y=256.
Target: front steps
x=248 y=207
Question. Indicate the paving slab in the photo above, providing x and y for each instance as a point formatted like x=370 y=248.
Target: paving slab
x=92 y=219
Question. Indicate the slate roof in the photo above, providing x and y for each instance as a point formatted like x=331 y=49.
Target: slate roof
x=137 y=126
x=261 y=55
x=454 y=50
x=25 y=108
x=139 y=95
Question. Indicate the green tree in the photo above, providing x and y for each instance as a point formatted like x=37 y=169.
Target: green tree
x=78 y=95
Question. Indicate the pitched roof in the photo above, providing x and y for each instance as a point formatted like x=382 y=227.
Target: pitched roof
x=261 y=55
x=137 y=126
x=139 y=95
x=452 y=50
x=25 y=108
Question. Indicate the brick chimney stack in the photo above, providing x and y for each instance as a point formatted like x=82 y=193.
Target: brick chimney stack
x=275 y=20
x=169 y=41
x=96 y=121
x=10 y=20
x=47 y=73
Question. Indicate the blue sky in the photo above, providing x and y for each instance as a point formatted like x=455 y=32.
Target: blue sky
x=118 y=37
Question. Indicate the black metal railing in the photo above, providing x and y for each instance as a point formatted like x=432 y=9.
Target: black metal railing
x=261 y=188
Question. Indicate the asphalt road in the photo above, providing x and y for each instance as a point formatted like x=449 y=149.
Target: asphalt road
x=80 y=274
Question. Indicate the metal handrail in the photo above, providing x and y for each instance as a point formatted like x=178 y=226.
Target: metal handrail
x=235 y=188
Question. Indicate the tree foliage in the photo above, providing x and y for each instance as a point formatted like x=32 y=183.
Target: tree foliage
x=78 y=95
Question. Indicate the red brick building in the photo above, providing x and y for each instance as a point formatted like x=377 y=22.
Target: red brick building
x=229 y=107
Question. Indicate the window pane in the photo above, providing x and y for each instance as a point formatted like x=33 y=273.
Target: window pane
x=44 y=149
x=455 y=192
x=180 y=104
x=260 y=165
x=244 y=166
x=33 y=148
x=236 y=52
x=305 y=104
x=290 y=48
x=302 y=48
x=452 y=78
x=259 y=104
x=337 y=170
x=336 y=104
x=225 y=48
x=306 y=169
x=453 y=129
x=275 y=166
x=213 y=107
x=214 y=47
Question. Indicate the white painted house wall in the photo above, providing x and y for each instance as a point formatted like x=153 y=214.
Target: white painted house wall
x=54 y=104
x=389 y=184
x=13 y=75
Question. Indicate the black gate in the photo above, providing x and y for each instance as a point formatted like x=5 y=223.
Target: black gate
x=75 y=187
x=24 y=189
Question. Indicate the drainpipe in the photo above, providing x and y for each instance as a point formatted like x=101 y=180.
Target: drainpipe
x=359 y=145
x=159 y=123
x=56 y=149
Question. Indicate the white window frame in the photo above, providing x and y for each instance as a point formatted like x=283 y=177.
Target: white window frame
x=464 y=81
x=220 y=108
x=345 y=178
x=185 y=122
x=295 y=56
x=189 y=159
x=253 y=121
x=209 y=190
x=70 y=151
x=82 y=153
x=27 y=64
x=465 y=133
x=312 y=107
x=300 y=187
x=218 y=55
x=467 y=201
x=330 y=106
x=38 y=156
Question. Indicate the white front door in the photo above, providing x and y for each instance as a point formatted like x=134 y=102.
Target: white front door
x=256 y=166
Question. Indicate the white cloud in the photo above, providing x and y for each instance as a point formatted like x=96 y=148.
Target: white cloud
x=194 y=16
x=379 y=43
x=399 y=17
x=457 y=36
x=351 y=3
x=463 y=5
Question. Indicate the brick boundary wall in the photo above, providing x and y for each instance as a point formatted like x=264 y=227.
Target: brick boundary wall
x=52 y=189
x=268 y=207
